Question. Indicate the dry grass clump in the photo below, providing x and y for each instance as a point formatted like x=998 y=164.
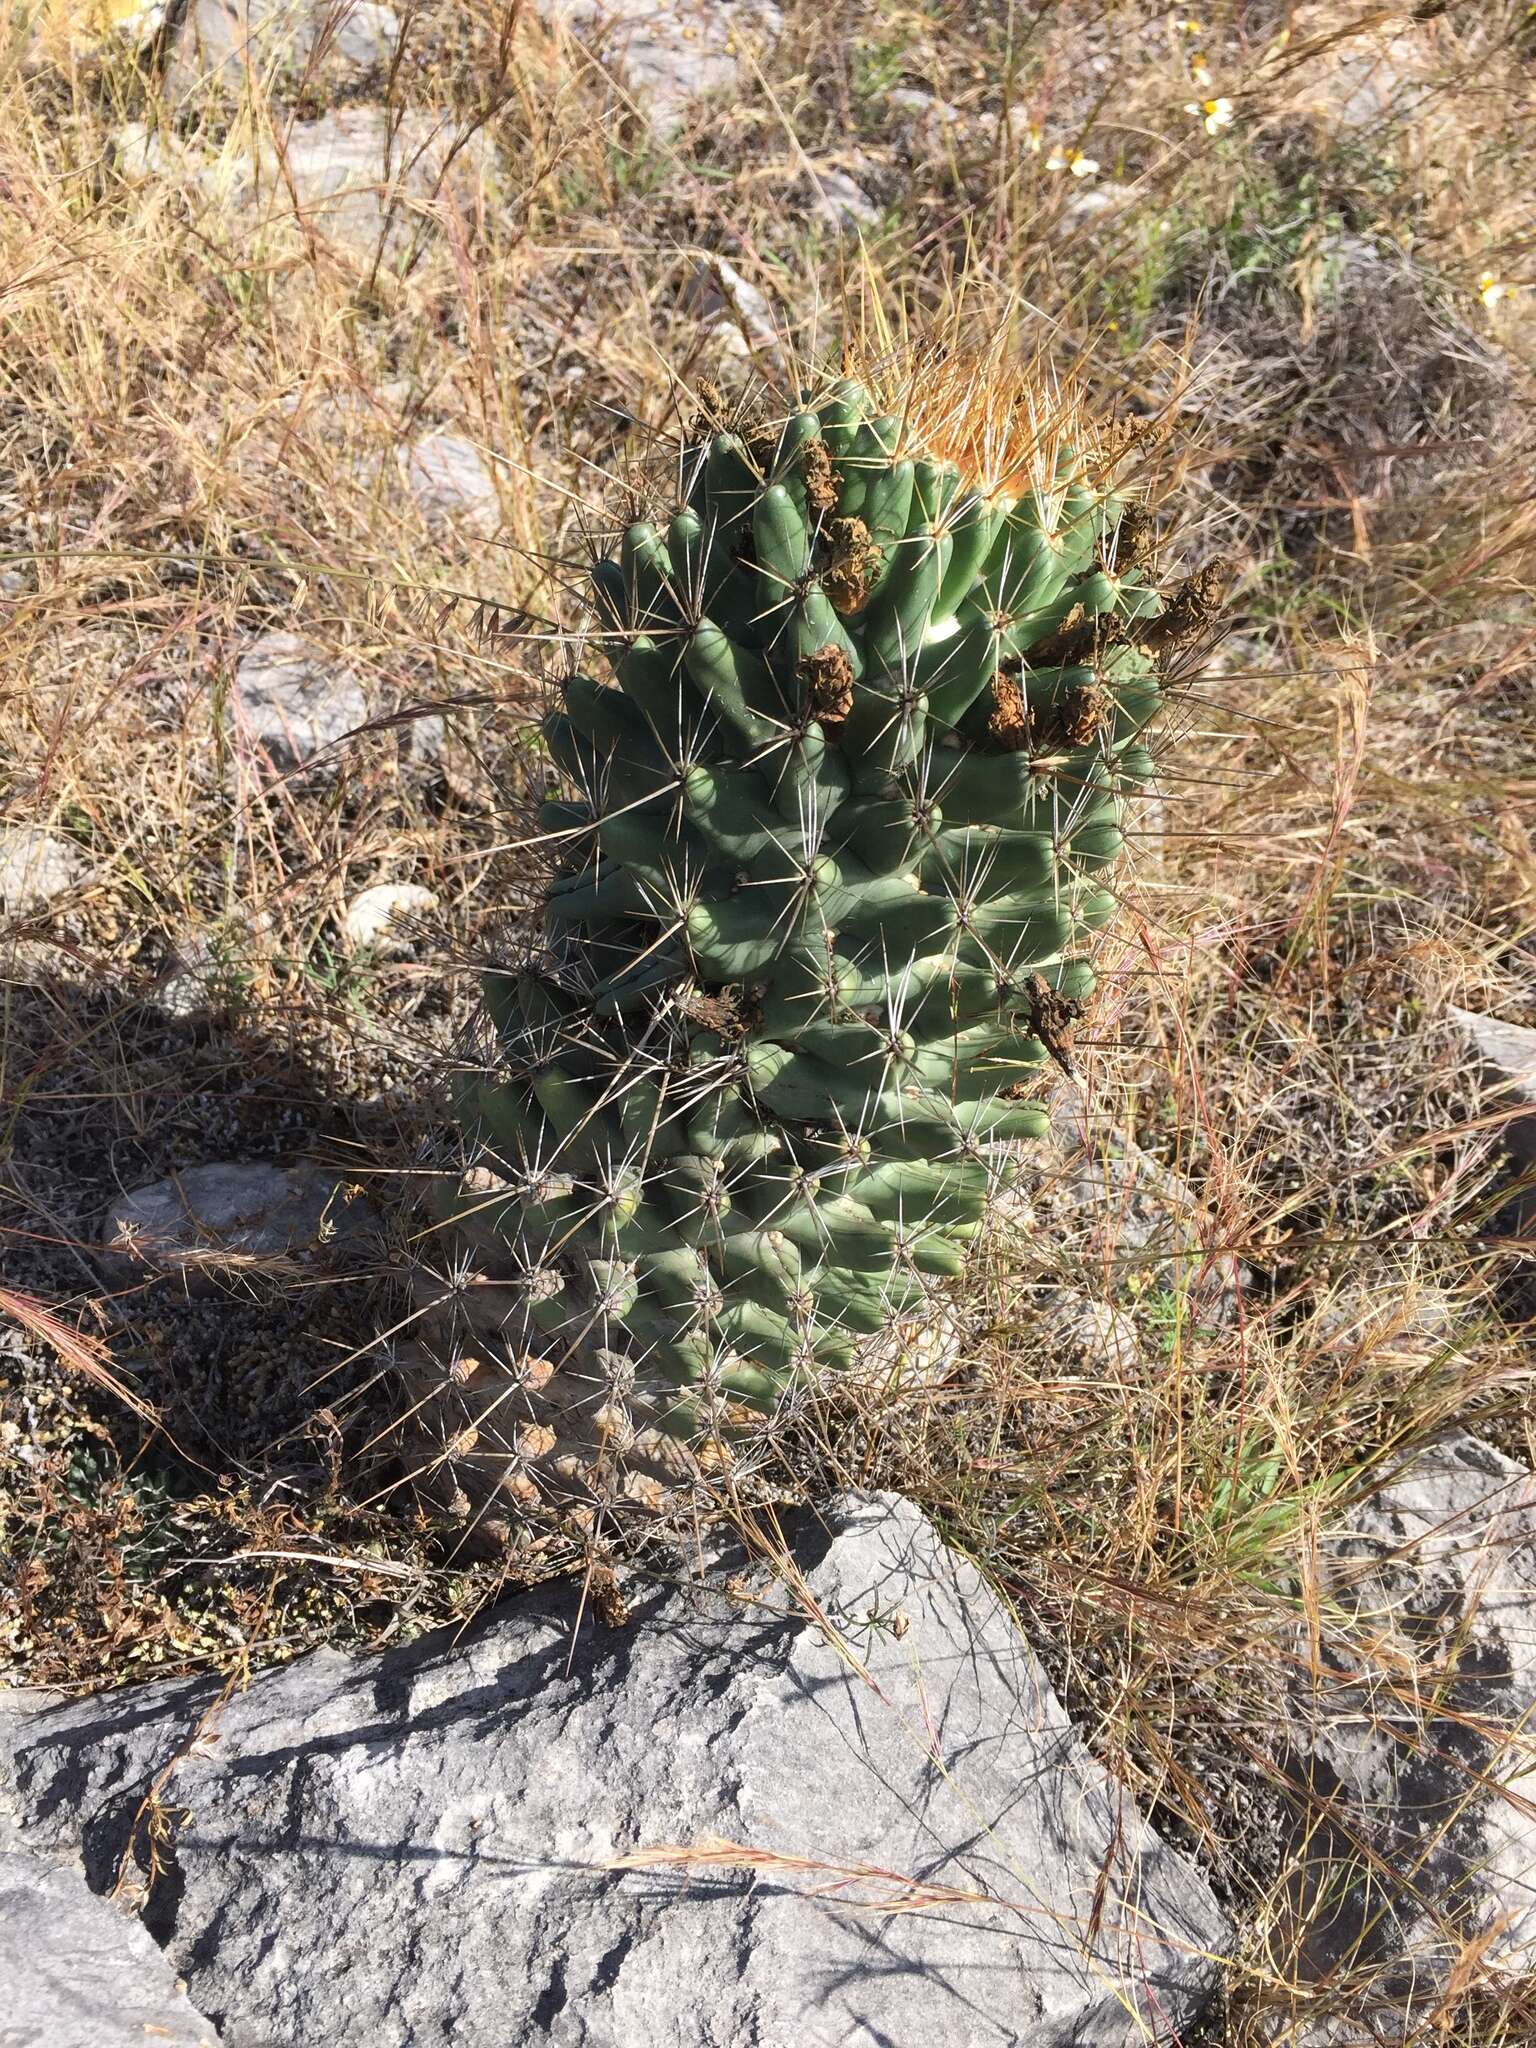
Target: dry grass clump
x=1285 y=1259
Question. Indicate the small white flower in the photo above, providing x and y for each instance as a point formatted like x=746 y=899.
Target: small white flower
x=1199 y=71
x=1216 y=114
x=1491 y=289
x=1074 y=161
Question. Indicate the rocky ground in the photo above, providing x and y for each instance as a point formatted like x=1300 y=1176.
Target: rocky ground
x=327 y=335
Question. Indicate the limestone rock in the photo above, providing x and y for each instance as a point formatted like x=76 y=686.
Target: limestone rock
x=35 y=868
x=361 y=175
x=1507 y=1053
x=378 y=919
x=362 y=178
x=730 y=307
x=79 y=1972
x=220 y=40
x=143 y=151
x=194 y=982
x=292 y=700
x=669 y=53
x=678 y=1824
x=1415 y=1740
x=1093 y=201
x=925 y=124
x=218 y=1220
x=836 y=199
x=452 y=482
x=1095 y=1331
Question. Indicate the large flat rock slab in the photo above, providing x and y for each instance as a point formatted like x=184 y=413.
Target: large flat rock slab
x=833 y=1803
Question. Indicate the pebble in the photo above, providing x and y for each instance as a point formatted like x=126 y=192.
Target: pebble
x=377 y=919
x=730 y=308
x=35 y=868
x=835 y=198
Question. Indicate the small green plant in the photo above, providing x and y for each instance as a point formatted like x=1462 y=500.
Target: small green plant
x=339 y=978
x=1270 y=227
x=879 y=66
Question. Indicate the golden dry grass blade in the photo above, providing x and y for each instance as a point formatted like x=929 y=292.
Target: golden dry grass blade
x=75 y=1349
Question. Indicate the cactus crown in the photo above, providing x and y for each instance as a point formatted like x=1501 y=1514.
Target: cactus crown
x=832 y=844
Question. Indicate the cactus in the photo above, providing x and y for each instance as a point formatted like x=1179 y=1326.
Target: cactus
x=834 y=834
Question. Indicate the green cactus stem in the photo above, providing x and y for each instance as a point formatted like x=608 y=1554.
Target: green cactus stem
x=837 y=822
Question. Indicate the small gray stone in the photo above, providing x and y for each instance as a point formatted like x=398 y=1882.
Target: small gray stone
x=835 y=198
x=730 y=307
x=452 y=482
x=292 y=700
x=223 y=39
x=80 y=1973
x=1508 y=1056
x=219 y=1219
x=378 y=920
x=205 y=968
x=1416 y=1742
x=912 y=102
x=193 y=981
x=1093 y=1330
x=670 y=53
x=923 y=117
x=680 y=1829
x=35 y=868
x=142 y=151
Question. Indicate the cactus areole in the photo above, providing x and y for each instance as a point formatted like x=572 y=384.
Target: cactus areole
x=832 y=836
